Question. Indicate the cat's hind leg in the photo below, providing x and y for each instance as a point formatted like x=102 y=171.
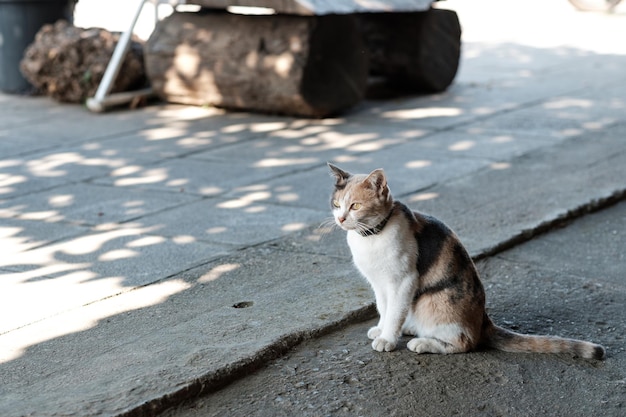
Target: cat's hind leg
x=430 y=345
x=444 y=339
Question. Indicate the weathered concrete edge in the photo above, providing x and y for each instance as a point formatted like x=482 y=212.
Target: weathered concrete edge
x=221 y=377
x=545 y=226
x=214 y=380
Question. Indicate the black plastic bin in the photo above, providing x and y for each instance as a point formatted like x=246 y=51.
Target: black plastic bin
x=20 y=20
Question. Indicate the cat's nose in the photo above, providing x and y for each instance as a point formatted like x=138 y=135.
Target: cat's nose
x=341 y=219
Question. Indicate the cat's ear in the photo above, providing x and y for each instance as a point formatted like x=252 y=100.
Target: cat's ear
x=377 y=179
x=340 y=175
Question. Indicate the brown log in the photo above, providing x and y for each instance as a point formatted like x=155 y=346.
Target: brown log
x=67 y=63
x=307 y=66
x=414 y=51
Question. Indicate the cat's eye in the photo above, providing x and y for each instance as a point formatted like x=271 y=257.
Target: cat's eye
x=355 y=206
x=336 y=204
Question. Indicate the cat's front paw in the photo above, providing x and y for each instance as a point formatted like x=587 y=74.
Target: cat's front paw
x=383 y=345
x=374 y=332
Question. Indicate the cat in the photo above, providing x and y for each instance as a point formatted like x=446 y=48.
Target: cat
x=425 y=283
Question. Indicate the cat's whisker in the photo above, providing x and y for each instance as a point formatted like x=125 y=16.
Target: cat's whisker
x=327 y=226
x=328 y=222
x=362 y=227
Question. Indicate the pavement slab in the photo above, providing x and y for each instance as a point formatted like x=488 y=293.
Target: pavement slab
x=471 y=142
x=532 y=191
x=598 y=240
x=565 y=116
x=90 y=204
x=42 y=171
x=304 y=145
x=428 y=160
x=17 y=235
x=88 y=268
x=194 y=176
x=27 y=128
x=226 y=309
x=410 y=167
x=240 y=222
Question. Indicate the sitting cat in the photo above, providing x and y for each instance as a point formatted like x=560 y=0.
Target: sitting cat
x=424 y=281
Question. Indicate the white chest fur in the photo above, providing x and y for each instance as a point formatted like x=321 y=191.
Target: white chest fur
x=386 y=256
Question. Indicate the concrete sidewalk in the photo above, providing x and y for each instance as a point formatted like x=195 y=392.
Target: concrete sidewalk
x=153 y=254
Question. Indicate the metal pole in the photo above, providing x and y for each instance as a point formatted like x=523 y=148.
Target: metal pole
x=97 y=103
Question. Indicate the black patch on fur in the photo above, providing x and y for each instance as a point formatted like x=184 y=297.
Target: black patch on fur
x=598 y=352
x=459 y=290
x=430 y=241
x=465 y=266
x=581 y=351
x=462 y=267
x=441 y=285
x=461 y=257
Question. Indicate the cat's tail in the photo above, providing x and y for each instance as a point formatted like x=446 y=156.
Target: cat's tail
x=502 y=339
